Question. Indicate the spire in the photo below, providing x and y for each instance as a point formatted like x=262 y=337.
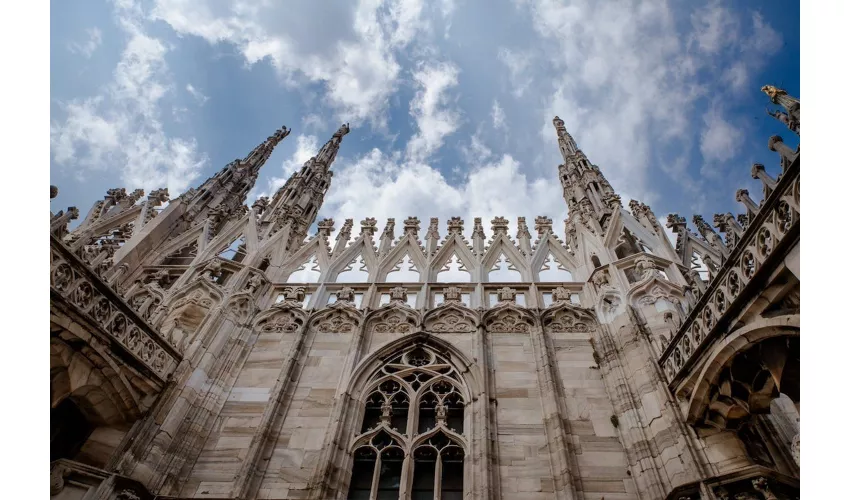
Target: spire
x=299 y=200
x=224 y=193
x=565 y=141
x=258 y=156
x=585 y=188
x=791 y=116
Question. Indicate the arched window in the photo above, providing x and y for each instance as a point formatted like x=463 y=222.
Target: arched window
x=411 y=442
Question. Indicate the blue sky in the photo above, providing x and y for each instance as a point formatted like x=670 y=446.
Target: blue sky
x=450 y=102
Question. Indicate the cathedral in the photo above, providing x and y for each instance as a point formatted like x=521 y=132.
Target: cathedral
x=201 y=348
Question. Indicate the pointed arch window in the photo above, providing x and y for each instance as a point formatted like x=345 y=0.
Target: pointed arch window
x=453 y=271
x=355 y=272
x=411 y=442
x=553 y=270
x=503 y=270
x=308 y=272
x=404 y=271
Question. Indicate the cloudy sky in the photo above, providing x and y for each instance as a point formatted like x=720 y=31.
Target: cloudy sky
x=450 y=101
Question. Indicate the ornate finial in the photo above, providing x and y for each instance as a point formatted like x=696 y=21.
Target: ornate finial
x=561 y=294
x=773 y=92
x=522 y=228
x=499 y=225
x=260 y=205
x=398 y=294
x=411 y=225
x=368 y=225
x=741 y=193
x=158 y=196
x=542 y=224
x=389 y=229
x=455 y=225
x=345 y=294
x=675 y=221
x=115 y=194
x=506 y=294
x=433 y=231
x=294 y=294
x=478 y=228
x=326 y=226
x=343 y=130
x=345 y=232
x=73 y=213
x=558 y=122
x=54 y=191
x=452 y=294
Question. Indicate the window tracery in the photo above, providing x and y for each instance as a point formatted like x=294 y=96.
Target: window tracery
x=411 y=442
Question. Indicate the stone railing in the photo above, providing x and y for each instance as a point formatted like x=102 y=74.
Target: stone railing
x=770 y=233
x=79 y=287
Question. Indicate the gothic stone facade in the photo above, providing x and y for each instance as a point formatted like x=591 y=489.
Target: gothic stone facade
x=211 y=350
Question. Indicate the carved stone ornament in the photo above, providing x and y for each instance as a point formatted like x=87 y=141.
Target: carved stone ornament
x=395 y=322
x=368 y=226
x=411 y=226
x=212 y=271
x=561 y=294
x=645 y=267
x=542 y=224
x=336 y=322
x=254 y=283
x=655 y=294
x=601 y=279
x=294 y=294
x=455 y=225
x=508 y=321
x=282 y=322
x=506 y=294
x=452 y=294
x=565 y=321
x=499 y=225
x=345 y=294
x=398 y=294
x=451 y=322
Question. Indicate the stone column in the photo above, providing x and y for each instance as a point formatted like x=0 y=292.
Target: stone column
x=775 y=144
x=743 y=196
x=758 y=172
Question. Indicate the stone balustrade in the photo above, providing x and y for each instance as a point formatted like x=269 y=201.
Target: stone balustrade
x=770 y=233
x=81 y=288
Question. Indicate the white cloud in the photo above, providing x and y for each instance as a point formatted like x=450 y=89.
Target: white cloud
x=720 y=140
x=87 y=48
x=121 y=128
x=434 y=120
x=350 y=49
x=197 y=94
x=715 y=27
x=517 y=64
x=497 y=115
x=382 y=186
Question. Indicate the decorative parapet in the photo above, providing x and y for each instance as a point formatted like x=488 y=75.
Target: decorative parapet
x=80 y=287
x=751 y=483
x=770 y=233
